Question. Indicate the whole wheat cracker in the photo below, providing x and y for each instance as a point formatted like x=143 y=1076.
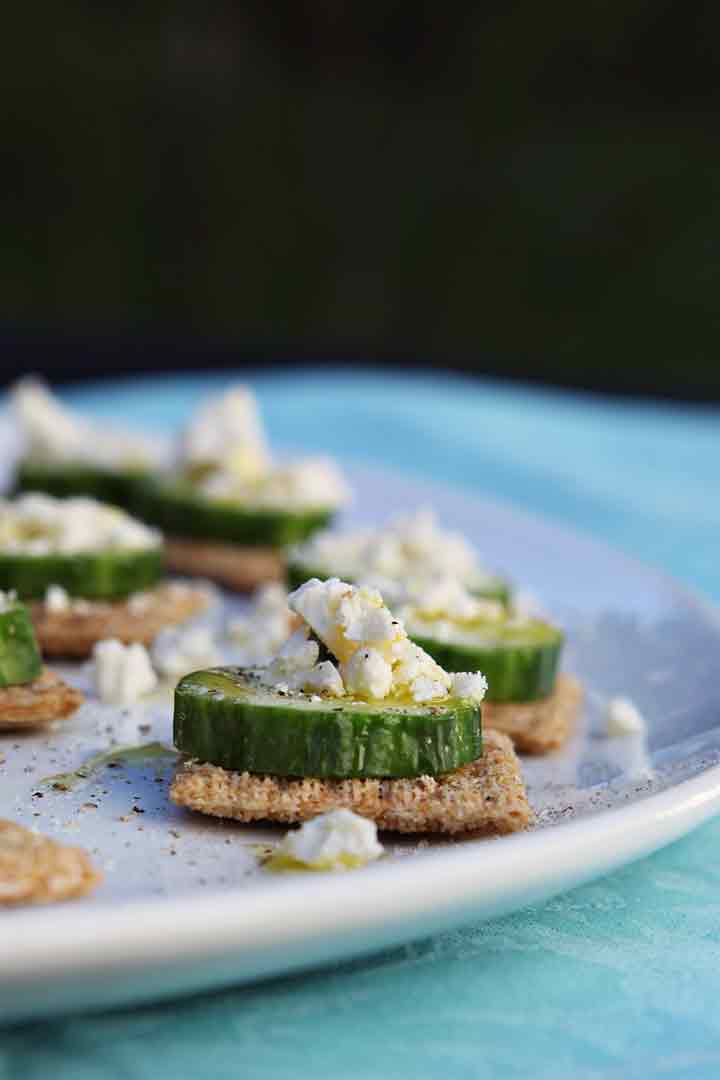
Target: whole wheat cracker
x=38 y=703
x=231 y=565
x=537 y=727
x=487 y=796
x=74 y=632
x=36 y=870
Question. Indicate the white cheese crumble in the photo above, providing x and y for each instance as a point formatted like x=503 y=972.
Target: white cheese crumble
x=315 y=483
x=376 y=658
x=227 y=432
x=225 y=453
x=260 y=631
x=122 y=673
x=8 y=600
x=53 y=434
x=338 y=840
x=37 y=524
x=410 y=548
x=176 y=652
x=624 y=718
x=57 y=599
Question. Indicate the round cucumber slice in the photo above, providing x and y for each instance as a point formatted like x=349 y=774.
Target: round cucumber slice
x=519 y=660
x=225 y=717
x=115 y=487
x=180 y=510
x=101 y=575
x=19 y=654
x=492 y=587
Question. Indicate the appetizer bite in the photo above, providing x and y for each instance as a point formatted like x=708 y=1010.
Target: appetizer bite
x=349 y=714
x=91 y=572
x=518 y=653
x=65 y=454
x=36 y=870
x=228 y=510
x=30 y=695
x=409 y=550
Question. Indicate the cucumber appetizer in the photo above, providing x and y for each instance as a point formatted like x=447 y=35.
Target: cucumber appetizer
x=408 y=550
x=66 y=454
x=228 y=502
x=518 y=654
x=19 y=655
x=348 y=696
x=93 y=551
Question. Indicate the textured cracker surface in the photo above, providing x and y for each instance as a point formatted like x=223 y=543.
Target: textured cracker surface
x=36 y=870
x=236 y=567
x=74 y=633
x=487 y=796
x=38 y=703
x=538 y=727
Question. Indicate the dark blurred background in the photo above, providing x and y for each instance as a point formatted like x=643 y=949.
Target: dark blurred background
x=529 y=190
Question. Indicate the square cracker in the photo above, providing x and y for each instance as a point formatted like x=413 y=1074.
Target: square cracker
x=36 y=870
x=38 y=703
x=537 y=727
x=487 y=796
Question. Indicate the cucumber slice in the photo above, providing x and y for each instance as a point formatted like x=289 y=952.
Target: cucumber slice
x=180 y=510
x=19 y=654
x=115 y=487
x=225 y=717
x=490 y=587
x=520 y=661
x=101 y=575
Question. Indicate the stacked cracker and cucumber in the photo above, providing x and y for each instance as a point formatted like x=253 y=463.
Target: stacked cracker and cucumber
x=349 y=714
x=228 y=509
x=89 y=571
x=30 y=694
x=465 y=616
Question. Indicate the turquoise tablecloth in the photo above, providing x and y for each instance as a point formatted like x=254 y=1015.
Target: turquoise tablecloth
x=617 y=979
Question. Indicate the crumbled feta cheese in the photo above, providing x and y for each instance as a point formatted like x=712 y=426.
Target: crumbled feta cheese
x=324 y=677
x=298 y=653
x=263 y=628
x=38 y=524
x=315 y=483
x=469 y=684
x=352 y=621
x=367 y=674
x=338 y=840
x=56 y=599
x=175 y=652
x=122 y=673
x=8 y=600
x=408 y=548
x=624 y=718
x=227 y=432
x=54 y=434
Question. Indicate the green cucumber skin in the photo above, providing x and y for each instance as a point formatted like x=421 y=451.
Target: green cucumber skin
x=179 y=511
x=332 y=741
x=514 y=672
x=116 y=487
x=103 y=575
x=20 y=660
x=297 y=574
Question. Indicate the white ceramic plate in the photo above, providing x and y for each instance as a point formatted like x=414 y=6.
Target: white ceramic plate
x=185 y=906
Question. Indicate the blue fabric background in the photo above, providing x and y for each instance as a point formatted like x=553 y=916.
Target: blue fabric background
x=616 y=979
